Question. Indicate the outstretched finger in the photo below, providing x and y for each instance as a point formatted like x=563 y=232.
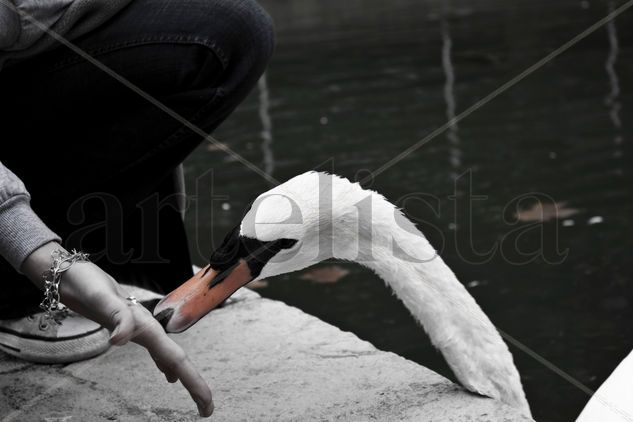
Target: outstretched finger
x=195 y=384
x=172 y=360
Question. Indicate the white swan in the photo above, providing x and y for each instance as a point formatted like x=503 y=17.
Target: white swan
x=613 y=402
x=316 y=216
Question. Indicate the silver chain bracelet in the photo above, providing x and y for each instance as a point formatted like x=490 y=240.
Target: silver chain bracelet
x=62 y=261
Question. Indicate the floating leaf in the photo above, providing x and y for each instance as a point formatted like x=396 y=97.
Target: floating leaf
x=326 y=275
x=546 y=212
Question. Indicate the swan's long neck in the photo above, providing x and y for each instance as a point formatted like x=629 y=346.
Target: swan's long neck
x=392 y=247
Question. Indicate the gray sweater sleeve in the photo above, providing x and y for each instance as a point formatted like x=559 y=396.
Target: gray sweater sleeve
x=21 y=230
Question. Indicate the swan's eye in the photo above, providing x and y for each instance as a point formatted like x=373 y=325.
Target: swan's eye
x=287 y=243
x=257 y=253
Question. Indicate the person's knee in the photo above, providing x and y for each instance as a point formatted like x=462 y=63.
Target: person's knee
x=231 y=44
x=266 y=35
x=255 y=28
x=252 y=32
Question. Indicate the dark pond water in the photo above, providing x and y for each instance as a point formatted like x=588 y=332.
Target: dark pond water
x=357 y=82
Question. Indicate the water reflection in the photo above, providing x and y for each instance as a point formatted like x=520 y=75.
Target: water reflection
x=449 y=96
x=613 y=98
x=267 y=125
x=360 y=81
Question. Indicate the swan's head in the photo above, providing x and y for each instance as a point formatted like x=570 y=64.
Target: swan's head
x=280 y=233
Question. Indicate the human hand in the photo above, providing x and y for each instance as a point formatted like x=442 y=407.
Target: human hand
x=91 y=292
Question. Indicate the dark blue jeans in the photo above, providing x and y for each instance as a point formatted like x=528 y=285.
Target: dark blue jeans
x=98 y=159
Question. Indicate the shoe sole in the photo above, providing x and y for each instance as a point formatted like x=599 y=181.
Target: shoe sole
x=56 y=350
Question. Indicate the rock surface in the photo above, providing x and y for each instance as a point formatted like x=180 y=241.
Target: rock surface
x=264 y=360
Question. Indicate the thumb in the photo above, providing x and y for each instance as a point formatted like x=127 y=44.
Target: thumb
x=123 y=322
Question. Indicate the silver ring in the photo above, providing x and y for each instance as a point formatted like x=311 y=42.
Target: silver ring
x=132 y=300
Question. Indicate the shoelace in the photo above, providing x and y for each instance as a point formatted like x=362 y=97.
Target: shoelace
x=57 y=316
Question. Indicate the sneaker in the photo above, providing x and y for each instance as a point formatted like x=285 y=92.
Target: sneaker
x=65 y=337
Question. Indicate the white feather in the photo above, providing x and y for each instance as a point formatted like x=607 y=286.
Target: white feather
x=332 y=217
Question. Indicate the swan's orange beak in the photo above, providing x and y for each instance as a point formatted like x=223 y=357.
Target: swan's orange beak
x=203 y=292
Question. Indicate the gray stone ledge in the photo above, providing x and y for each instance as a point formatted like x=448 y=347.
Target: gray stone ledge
x=264 y=360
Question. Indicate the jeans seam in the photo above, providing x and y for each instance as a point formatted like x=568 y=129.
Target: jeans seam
x=151 y=39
